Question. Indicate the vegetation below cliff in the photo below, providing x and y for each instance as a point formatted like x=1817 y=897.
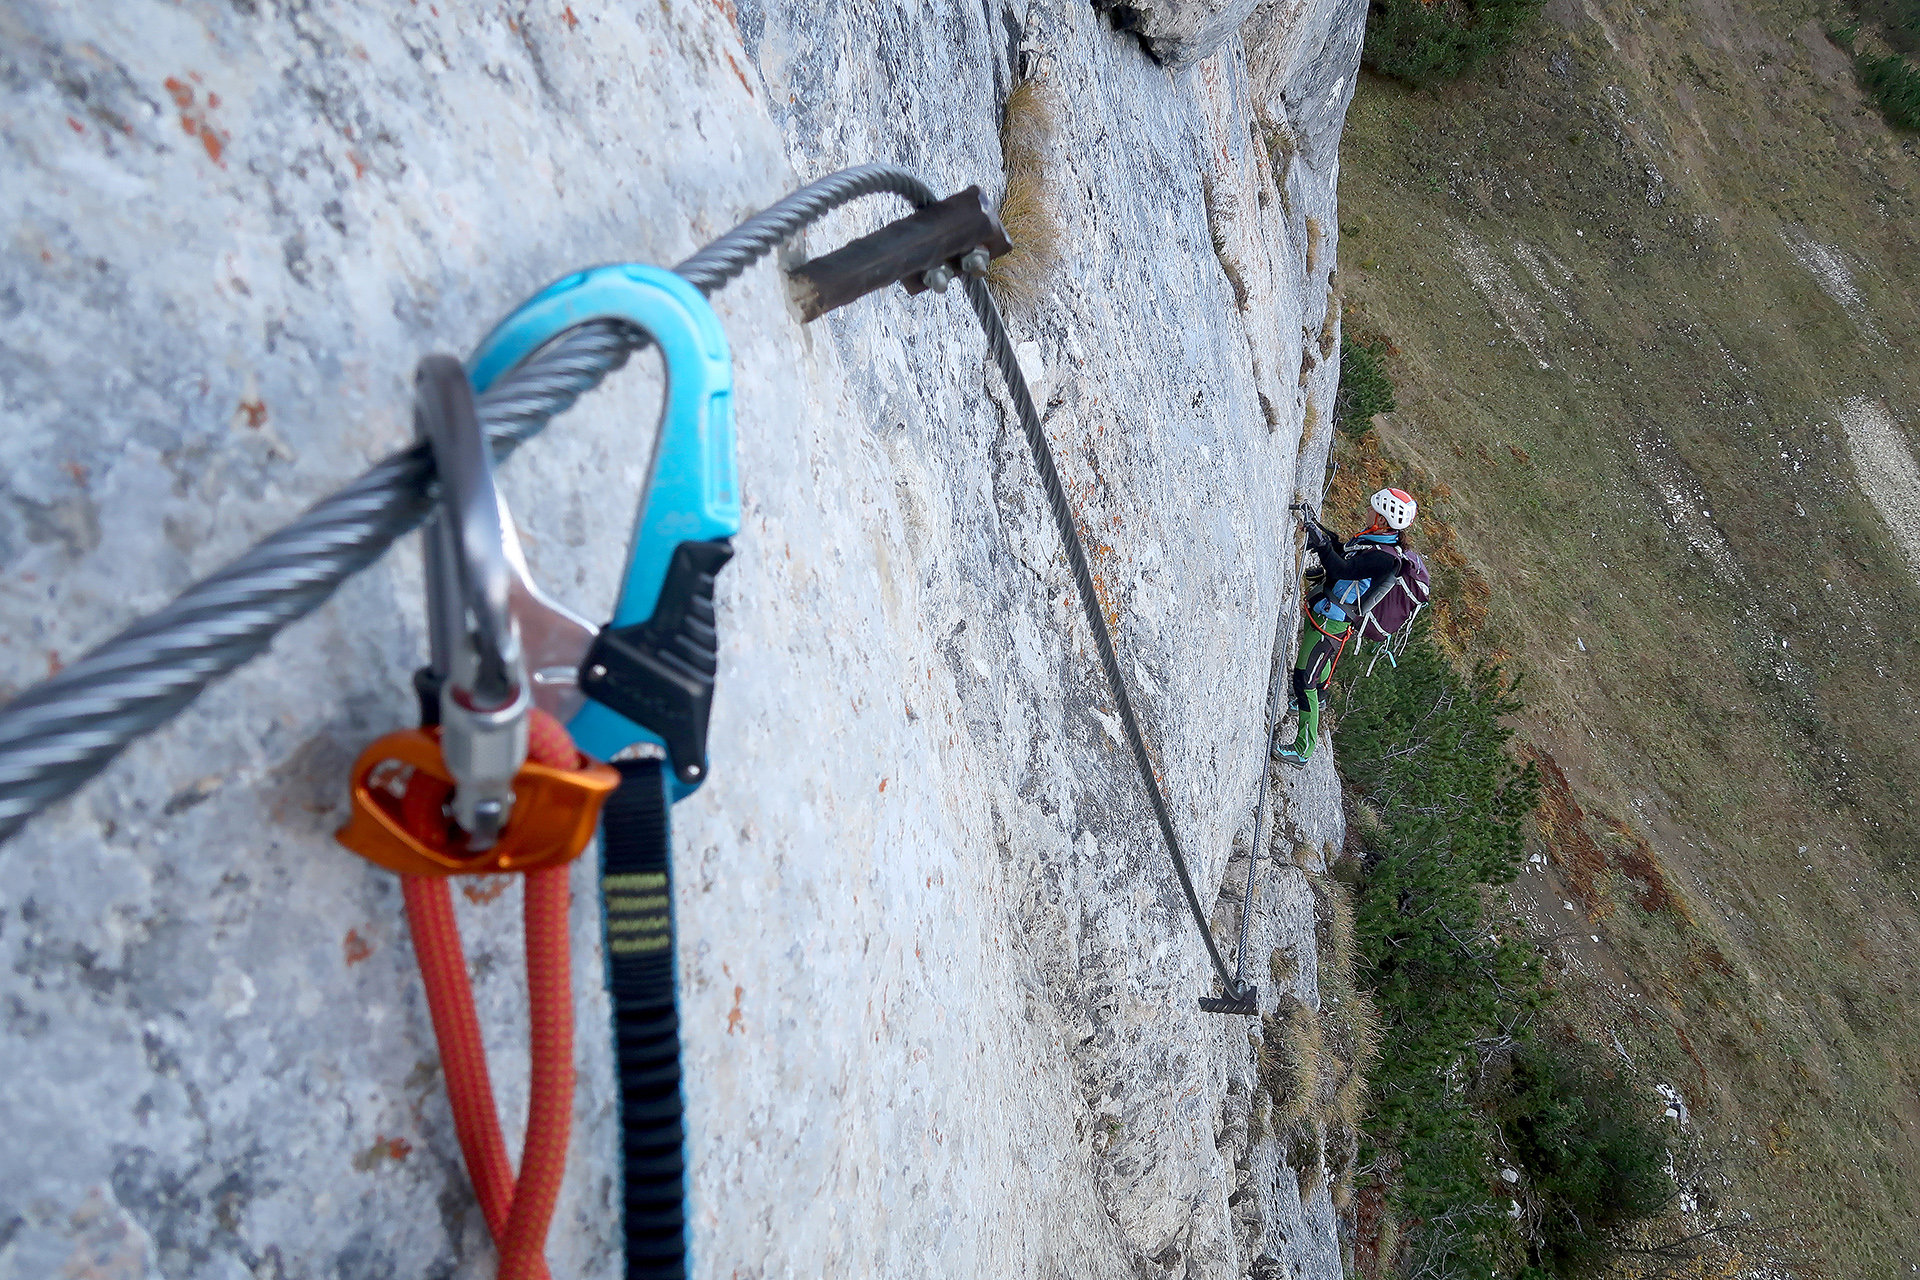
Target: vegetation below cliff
x=1644 y=286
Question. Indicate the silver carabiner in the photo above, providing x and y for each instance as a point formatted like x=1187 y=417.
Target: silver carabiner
x=485 y=695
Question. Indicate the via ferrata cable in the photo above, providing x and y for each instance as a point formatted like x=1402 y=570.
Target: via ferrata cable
x=1001 y=345
x=1274 y=703
x=57 y=735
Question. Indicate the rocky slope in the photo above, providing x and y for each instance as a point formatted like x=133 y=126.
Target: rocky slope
x=938 y=984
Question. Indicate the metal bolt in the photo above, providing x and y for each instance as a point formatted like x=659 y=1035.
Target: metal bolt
x=597 y=671
x=976 y=261
x=489 y=816
x=938 y=278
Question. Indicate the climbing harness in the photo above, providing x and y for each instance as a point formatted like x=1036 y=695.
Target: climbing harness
x=491 y=782
x=487 y=784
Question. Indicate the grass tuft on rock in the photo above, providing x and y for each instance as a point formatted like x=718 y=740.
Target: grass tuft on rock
x=1027 y=207
x=1289 y=1063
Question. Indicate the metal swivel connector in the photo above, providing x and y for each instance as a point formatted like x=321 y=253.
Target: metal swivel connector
x=484 y=748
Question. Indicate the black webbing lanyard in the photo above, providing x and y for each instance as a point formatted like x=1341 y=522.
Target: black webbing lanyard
x=637 y=883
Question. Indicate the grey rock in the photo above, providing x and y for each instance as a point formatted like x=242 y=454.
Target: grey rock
x=1179 y=33
x=938 y=984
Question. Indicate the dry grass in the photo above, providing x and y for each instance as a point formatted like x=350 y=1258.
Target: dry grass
x=1357 y=1029
x=1290 y=1062
x=1028 y=209
x=1388 y=1246
x=1313 y=1064
x=1333 y=927
x=1330 y=327
x=1562 y=826
x=1283 y=967
x=1350 y=1035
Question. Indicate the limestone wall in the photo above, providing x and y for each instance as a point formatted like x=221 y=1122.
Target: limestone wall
x=938 y=981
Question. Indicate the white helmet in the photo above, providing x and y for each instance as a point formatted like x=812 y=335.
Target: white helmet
x=1396 y=507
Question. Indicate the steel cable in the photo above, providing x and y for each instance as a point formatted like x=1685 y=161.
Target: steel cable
x=1002 y=348
x=61 y=733
x=1260 y=812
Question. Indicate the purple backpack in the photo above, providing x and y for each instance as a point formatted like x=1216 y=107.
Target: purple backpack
x=1392 y=603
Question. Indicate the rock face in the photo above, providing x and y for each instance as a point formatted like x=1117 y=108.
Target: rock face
x=1179 y=33
x=938 y=982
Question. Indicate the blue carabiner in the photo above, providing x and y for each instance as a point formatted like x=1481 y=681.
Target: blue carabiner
x=655 y=660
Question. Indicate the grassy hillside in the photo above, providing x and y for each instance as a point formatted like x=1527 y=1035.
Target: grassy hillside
x=1650 y=293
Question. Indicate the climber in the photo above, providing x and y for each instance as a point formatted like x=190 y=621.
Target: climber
x=1352 y=571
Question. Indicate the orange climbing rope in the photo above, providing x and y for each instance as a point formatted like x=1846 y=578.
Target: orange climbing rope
x=517 y=1211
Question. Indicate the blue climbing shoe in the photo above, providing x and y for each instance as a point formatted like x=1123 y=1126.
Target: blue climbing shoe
x=1288 y=755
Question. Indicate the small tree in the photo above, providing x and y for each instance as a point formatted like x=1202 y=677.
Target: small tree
x=1588 y=1144
x=1425 y=42
x=1894 y=86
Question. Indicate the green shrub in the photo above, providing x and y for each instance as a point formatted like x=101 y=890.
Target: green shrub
x=1894 y=86
x=1426 y=747
x=1427 y=43
x=1588 y=1145
x=1365 y=388
x=1461 y=1076
x=1896 y=21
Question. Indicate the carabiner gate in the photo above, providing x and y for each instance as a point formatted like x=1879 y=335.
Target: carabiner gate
x=649 y=673
x=485 y=696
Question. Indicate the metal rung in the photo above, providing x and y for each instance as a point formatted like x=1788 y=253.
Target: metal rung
x=1245 y=1002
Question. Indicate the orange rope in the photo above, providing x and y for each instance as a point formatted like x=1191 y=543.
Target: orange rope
x=543 y=1160
x=517 y=1214
x=443 y=968
x=1307 y=608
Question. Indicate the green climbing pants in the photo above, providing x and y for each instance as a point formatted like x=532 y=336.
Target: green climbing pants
x=1311 y=672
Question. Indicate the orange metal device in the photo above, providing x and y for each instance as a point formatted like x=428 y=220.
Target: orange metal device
x=554 y=812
